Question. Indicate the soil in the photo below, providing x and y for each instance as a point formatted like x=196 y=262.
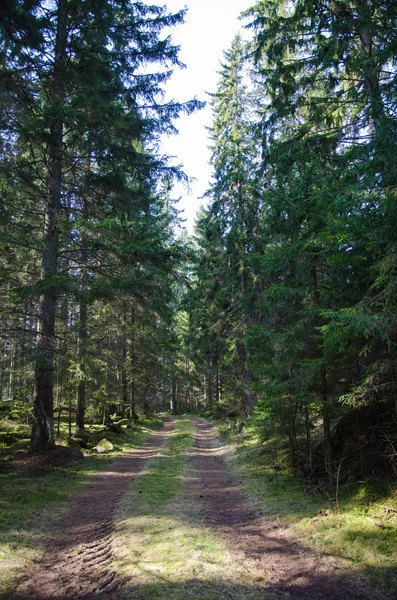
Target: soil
x=78 y=557
x=60 y=457
x=288 y=568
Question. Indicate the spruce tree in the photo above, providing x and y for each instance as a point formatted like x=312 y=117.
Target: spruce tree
x=228 y=231
x=84 y=94
x=325 y=69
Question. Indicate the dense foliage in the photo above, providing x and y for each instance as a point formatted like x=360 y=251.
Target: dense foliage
x=90 y=254
x=294 y=299
x=284 y=305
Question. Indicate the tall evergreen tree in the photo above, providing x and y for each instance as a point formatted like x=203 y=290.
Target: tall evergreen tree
x=325 y=69
x=228 y=231
x=77 y=89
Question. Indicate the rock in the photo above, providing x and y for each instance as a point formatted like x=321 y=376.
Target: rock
x=104 y=446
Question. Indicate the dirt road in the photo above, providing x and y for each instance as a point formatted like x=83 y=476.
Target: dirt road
x=289 y=569
x=78 y=555
x=79 y=561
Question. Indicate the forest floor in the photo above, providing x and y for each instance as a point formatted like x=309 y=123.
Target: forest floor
x=169 y=520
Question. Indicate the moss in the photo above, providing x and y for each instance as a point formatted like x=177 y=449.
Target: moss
x=76 y=442
x=104 y=446
x=20 y=445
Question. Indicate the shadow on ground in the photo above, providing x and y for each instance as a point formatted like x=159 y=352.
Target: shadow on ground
x=290 y=570
x=208 y=590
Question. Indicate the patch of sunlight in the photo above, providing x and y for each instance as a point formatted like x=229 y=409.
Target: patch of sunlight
x=153 y=551
x=13 y=558
x=361 y=539
x=162 y=546
x=30 y=506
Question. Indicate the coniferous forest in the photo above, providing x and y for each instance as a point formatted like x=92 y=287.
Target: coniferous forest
x=90 y=263
x=283 y=304
x=275 y=321
x=280 y=310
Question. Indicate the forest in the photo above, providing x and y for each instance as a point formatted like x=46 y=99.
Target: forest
x=277 y=318
x=281 y=307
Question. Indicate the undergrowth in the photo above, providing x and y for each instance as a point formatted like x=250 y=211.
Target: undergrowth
x=356 y=522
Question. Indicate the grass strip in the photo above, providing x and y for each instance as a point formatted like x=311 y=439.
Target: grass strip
x=161 y=543
x=33 y=497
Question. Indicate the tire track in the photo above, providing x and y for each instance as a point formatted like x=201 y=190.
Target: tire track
x=290 y=570
x=78 y=556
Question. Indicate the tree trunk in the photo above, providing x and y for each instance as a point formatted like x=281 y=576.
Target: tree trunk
x=308 y=441
x=164 y=386
x=249 y=394
x=133 y=414
x=187 y=386
x=329 y=465
x=217 y=387
x=145 y=400
x=210 y=398
x=370 y=67
x=1 y=376
x=124 y=382
x=83 y=316
x=293 y=438
x=12 y=372
x=70 y=416
x=107 y=417
x=173 y=406
x=81 y=386
x=43 y=425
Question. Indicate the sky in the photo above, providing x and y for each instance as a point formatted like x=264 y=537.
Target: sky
x=209 y=28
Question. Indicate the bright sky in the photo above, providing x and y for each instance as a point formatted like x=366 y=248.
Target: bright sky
x=209 y=29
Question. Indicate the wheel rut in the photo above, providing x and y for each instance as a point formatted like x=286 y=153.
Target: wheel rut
x=78 y=555
x=282 y=564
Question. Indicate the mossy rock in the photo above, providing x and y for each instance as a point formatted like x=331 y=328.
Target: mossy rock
x=104 y=446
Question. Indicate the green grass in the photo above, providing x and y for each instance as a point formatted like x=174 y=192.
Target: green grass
x=357 y=528
x=162 y=543
x=33 y=497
